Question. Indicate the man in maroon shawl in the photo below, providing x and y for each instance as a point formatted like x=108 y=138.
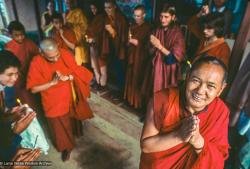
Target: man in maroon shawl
x=188 y=129
x=168 y=51
x=24 y=49
x=114 y=43
x=137 y=55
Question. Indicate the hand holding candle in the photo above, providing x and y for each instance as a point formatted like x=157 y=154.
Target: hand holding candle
x=28 y=109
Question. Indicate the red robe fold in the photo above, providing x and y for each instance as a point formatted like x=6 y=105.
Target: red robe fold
x=213 y=127
x=80 y=108
x=58 y=99
x=166 y=76
x=24 y=53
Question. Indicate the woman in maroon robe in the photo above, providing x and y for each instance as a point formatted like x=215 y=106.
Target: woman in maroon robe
x=94 y=39
x=168 y=51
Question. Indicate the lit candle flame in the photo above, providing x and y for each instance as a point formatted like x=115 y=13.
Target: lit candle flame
x=189 y=63
x=18 y=101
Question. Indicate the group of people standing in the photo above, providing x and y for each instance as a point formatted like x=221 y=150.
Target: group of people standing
x=139 y=58
x=186 y=124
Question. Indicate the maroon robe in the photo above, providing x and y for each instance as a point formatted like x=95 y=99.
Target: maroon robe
x=218 y=48
x=95 y=30
x=137 y=56
x=119 y=43
x=165 y=75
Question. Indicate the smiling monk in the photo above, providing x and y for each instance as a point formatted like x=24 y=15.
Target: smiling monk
x=188 y=128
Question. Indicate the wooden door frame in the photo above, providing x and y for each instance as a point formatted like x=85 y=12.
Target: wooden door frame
x=240 y=45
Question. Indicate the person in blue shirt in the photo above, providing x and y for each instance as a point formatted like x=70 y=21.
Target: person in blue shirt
x=14 y=120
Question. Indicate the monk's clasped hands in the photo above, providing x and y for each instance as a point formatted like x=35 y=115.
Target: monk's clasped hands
x=189 y=132
x=58 y=76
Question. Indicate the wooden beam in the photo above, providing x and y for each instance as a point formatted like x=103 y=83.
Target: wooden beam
x=38 y=19
x=14 y=9
x=154 y=10
x=240 y=44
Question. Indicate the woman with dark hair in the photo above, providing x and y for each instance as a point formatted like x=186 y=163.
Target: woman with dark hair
x=168 y=50
x=24 y=49
x=13 y=120
x=94 y=39
x=46 y=19
x=95 y=10
x=210 y=32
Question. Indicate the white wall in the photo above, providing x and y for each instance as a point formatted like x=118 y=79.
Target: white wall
x=26 y=12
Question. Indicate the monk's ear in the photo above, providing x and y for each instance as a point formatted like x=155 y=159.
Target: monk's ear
x=144 y=15
x=224 y=85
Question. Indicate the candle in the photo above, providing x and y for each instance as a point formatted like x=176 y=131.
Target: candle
x=19 y=101
x=189 y=63
x=130 y=35
x=29 y=109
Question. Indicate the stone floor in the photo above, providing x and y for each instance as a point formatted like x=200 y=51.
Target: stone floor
x=110 y=141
